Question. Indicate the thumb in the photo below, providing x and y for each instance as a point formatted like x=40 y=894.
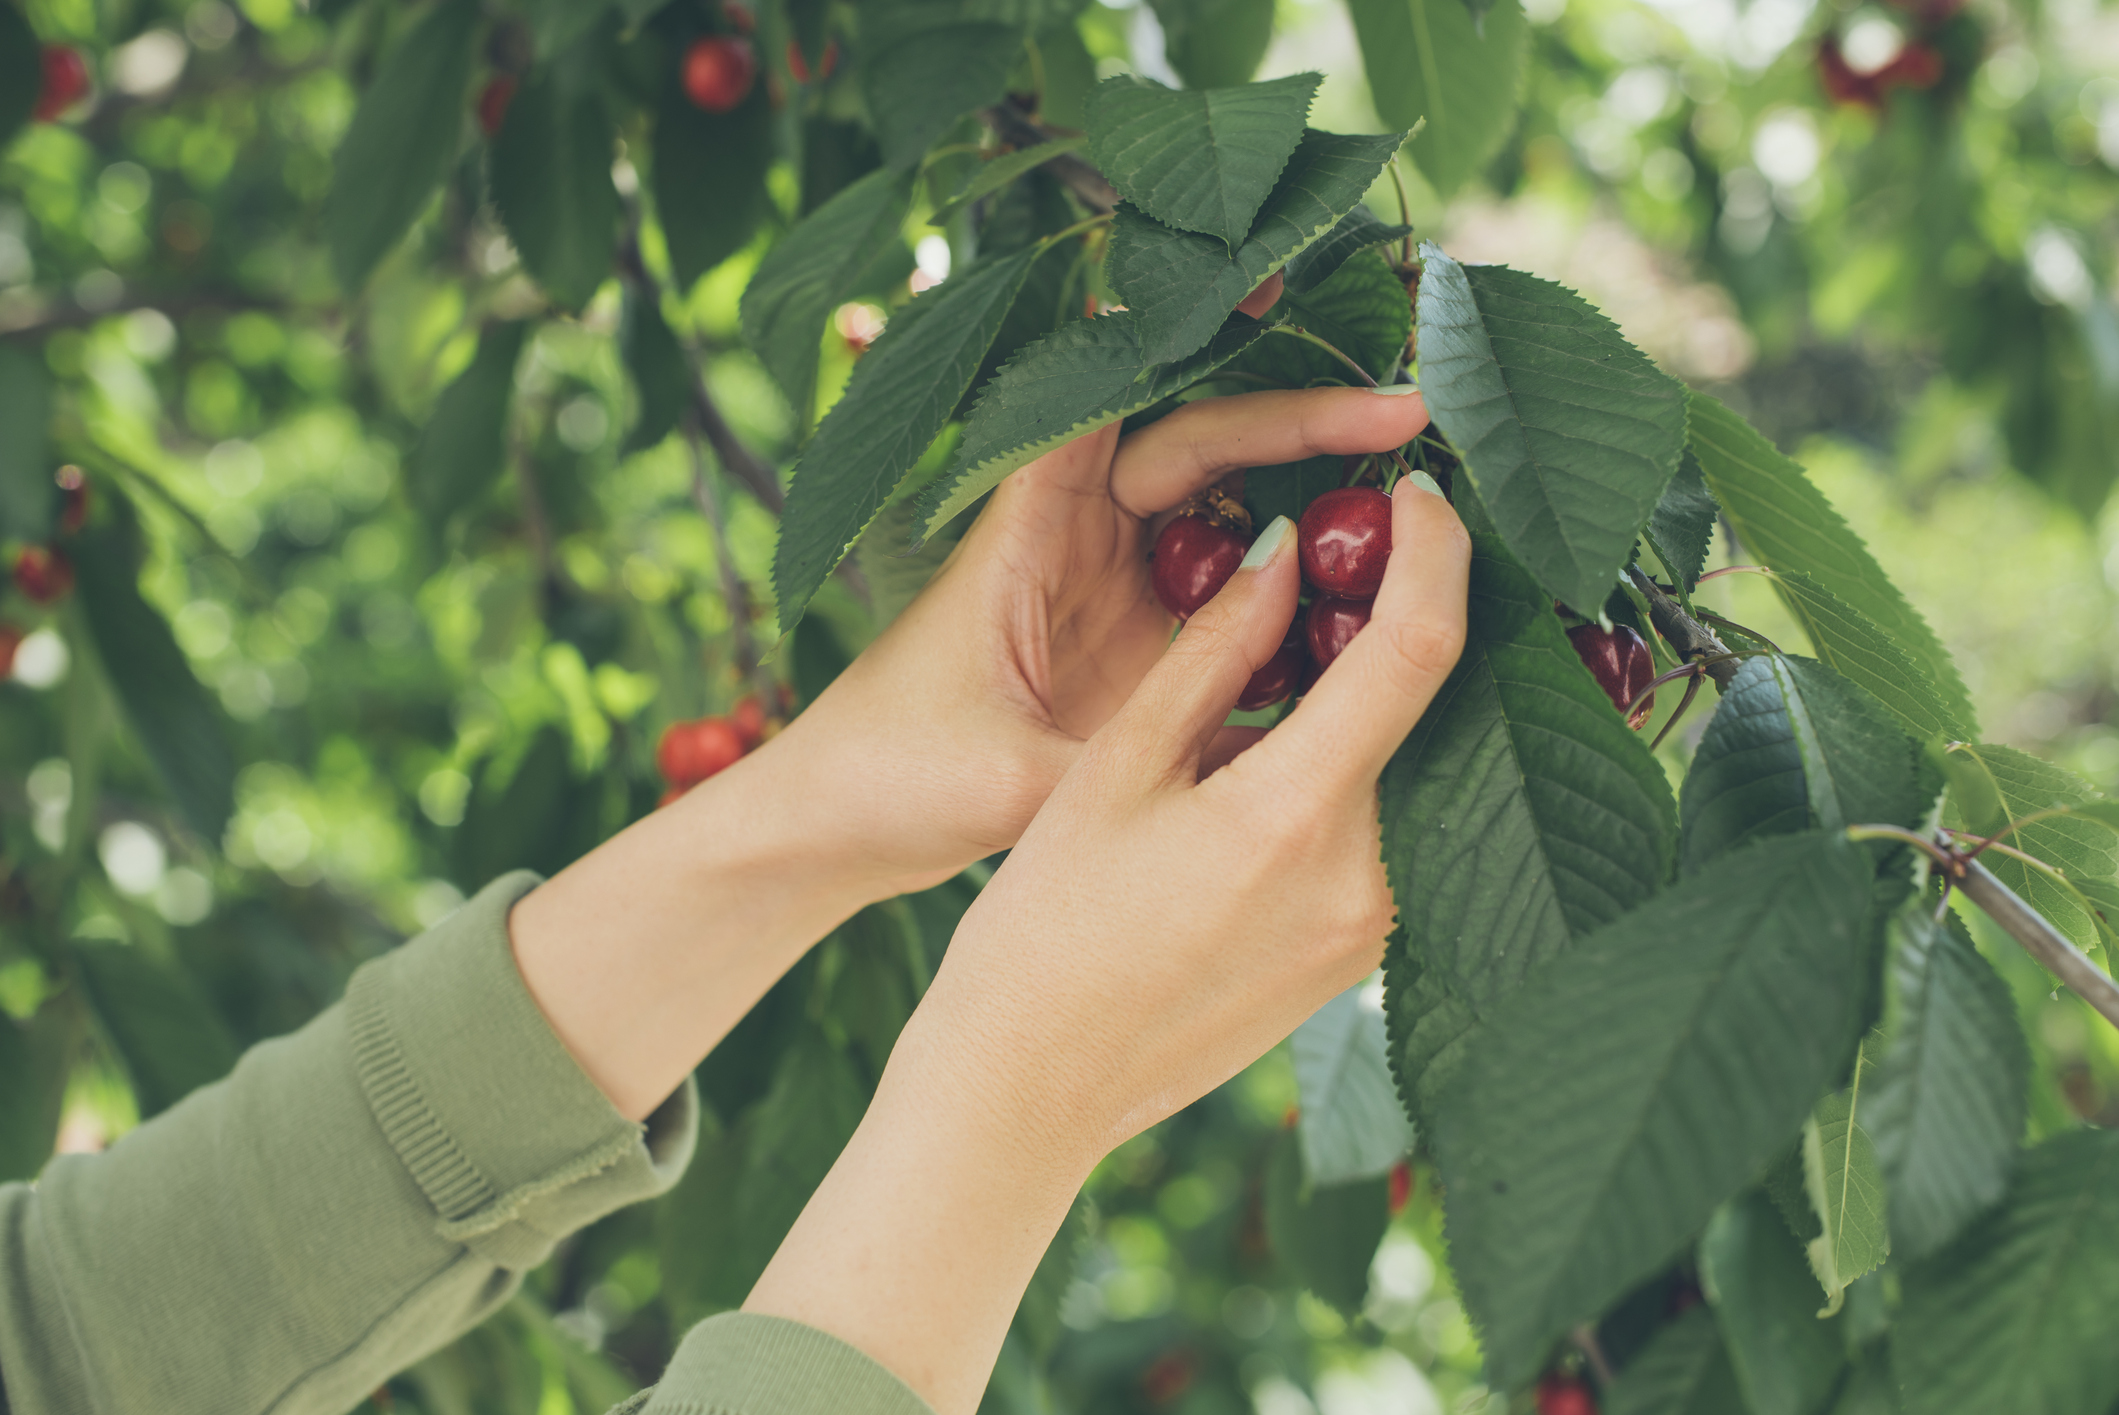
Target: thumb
x=1179 y=707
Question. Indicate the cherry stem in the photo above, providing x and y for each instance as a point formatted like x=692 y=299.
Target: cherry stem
x=1692 y=690
x=1731 y=570
x=1405 y=214
x=1084 y=224
x=1690 y=668
x=1993 y=842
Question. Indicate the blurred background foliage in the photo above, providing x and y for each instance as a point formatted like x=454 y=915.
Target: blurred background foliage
x=1888 y=233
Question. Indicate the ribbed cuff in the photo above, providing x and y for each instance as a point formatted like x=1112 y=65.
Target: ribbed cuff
x=741 y=1363
x=511 y=1142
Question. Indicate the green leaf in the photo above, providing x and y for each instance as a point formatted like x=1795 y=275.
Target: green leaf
x=709 y=178
x=168 y=1035
x=1519 y=815
x=1992 y=786
x=921 y=78
x=28 y=498
x=1685 y=1370
x=36 y=1057
x=177 y=722
x=1425 y=59
x=1362 y=311
x=463 y=447
x=661 y=374
x=1950 y=1097
x=998 y=172
x=1681 y=528
x=1846 y=1188
x=1568 y=431
x=1867 y=655
x=1286 y=490
x=1356 y=232
x=2015 y=1318
x=1326 y=1234
x=1204 y=160
x=1765 y=1300
x=894 y=570
x=901 y=393
x=1214 y=43
x=1871 y=1389
x=1349 y=1123
x=1181 y=285
x=21 y=74
x=1786 y=523
x=1643 y=1077
x=1074 y=380
x=402 y=141
x=551 y=181
x=1794 y=746
x=811 y=271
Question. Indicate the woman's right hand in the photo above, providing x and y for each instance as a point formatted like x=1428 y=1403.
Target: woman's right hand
x=1172 y=912
x=1185 y=898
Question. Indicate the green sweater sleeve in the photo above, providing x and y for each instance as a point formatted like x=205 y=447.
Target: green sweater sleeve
x=740 y=1363
x=348 y=1199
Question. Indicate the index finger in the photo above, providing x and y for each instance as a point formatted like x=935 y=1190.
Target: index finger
x=1165 y=462
x=1345 y=730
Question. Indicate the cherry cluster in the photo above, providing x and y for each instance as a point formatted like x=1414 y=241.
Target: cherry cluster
x=1343 y=542
x=690 y=752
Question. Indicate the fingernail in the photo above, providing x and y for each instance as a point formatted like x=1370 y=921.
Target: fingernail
x=1416 y=478
x=1268 y=544
x=1395 y=390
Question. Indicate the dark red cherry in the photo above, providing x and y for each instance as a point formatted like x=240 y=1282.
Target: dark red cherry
x=1344 y=540
x=1622 y=665
x=1332 y=624
x=1565 y=1395
x=1193 y=559
x=1278 y=677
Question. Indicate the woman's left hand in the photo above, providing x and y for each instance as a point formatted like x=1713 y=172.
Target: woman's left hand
x=945 y=736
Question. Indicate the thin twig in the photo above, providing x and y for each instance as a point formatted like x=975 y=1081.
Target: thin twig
x=2040 y=939
x=1941 y=856
x=1692 y=639
x=1585 y=1340
x=1325 y=344
x=1731 y=570
x=732 y=587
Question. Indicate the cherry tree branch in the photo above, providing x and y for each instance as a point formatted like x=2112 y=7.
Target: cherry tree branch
x=2039 y=938
x=1691 y=638
x=1018 y=128
x=733 y=590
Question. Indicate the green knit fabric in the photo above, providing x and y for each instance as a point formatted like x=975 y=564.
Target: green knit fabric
x=351 y=1198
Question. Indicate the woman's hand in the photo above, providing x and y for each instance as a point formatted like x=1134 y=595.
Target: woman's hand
x=1161 y=923
x=945 y=736
x=933 y=750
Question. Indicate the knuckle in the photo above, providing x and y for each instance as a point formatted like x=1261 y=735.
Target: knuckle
x=1420 y=652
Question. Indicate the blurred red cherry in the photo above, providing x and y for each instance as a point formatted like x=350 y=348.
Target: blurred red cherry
x=43 y=574
x=718 y=72
x=690 y=752
x=1401 y=1187
x=1565 y=1395
x=64 y=81
x=1841 y=83
x=493 y=102
x=799 y=66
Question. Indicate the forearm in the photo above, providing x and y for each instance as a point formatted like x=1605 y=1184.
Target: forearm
x=647 y=951
x=917 y=1247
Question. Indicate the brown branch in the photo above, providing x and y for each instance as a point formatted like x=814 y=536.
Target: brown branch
x=740 y=462
x=2039 y=938
x=1692 y=639
x=1016 y=127
x=732 y=587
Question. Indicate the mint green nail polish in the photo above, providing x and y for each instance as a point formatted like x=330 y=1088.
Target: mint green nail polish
x=1420 y=480
x=1269 y=541
x=1394 y=390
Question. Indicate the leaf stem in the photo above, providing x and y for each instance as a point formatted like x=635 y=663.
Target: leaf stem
x=1046 y=243
x=1405 y=214
x=1937 y=853
x=1328 y=346
x=1731 y=570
